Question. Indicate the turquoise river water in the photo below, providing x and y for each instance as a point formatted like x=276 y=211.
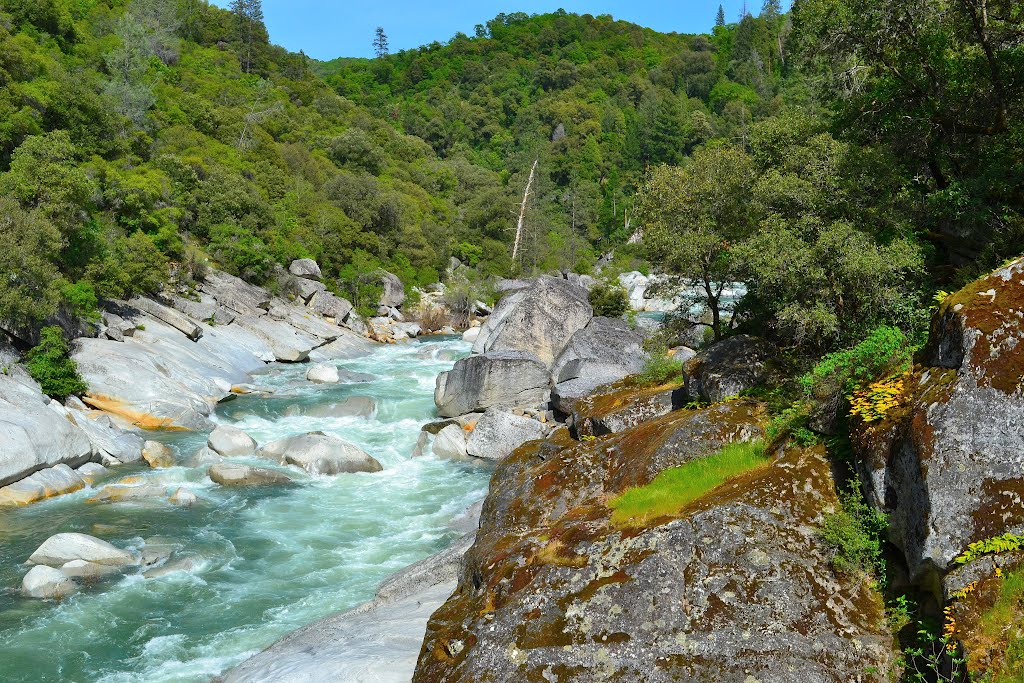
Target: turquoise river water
x=266 y=561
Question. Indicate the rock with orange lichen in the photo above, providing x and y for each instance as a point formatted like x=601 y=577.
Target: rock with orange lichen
x=947 y=462
x=737 y=586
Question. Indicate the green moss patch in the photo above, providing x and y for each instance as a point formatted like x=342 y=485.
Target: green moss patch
x=674 y=488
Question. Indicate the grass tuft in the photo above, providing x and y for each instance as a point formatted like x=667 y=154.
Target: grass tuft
x=676 y=487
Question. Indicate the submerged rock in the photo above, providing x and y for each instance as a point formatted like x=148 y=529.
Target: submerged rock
x=83 y=569
x=47 y=583
x=320 y=453
x=60 y=549
x=231 y=441
x=231 y=474
x=157 y=454
x=323 y=373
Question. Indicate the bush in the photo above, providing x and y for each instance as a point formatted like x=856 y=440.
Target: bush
x=49 y=364
x=81 y=298
x=660 y=368
x=885 y=351
x=854 y=532
x=609 y=300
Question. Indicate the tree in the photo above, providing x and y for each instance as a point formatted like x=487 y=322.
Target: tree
x=249 y=22
x=31 y=289
x=128 y=89
x=49 y=364
x=720 y=17
x=693 y=216
x=380 y=42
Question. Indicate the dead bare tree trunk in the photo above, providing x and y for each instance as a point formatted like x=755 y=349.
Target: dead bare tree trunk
x=522 y=212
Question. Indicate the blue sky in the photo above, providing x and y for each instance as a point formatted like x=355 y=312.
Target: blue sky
x=325 y=29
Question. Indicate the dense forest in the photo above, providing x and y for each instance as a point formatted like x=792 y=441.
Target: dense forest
x=845 y=162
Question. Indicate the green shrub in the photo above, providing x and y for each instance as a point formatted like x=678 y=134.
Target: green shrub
x=677 y=486
x=609 y=300
x=885 y=351
x=81 y=298
x=659 y=368
x=854 y=533
x=49 y=364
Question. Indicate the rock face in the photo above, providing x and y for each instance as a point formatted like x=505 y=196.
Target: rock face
x=604 y=348
x=231 y=441
x=735 y=587
x=393 y=294
x=47 y=583
x=621 y=407
x=450 y=442
x=498 y=433
x=320 y=453
x=60 y=549
x=947 y=463
x=33 y=437
x=305 y=268
x=539 y=319
x=497 y=379
x=231 y=474
x=728 y=367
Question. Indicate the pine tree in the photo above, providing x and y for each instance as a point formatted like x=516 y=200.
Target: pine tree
x=249 y=15
x=720 y=17
x=380 y=42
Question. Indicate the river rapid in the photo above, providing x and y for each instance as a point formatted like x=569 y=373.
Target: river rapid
x=264 y=561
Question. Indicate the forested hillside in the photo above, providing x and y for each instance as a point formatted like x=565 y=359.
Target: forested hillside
x=843 y=162
x=596 y=102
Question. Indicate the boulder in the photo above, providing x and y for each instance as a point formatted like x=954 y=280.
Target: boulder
x=603 y=352
x=91 y=472
x=230 y=441
x=46 y=483
x=47 y=583
x=59 y=549
x=306 y=289
x=323 y=373
x=947 y=461
x=180 y=322
x=235 y=293
x=450 y=442
x=539 y=319
x=287 y=344
x=131 y=491
x=320 y=453
x=305 y=268
x=497 y=379
x=158 y=454
x=619 y=408
x=393 y=294
x=232 y=474
x=330 y=306
x=736 y=587
x=471 y=334
x=183 y=498
x=729 y=367
x=204 y=310
x=33 y=437
x=352 y=406
x=498 y=433
x=108 y=439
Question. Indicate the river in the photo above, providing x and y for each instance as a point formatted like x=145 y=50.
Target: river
x=265 y=561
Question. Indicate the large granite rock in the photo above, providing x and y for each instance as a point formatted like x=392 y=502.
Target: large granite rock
x=320 y=453
x=45 y=483
x=729 y=367
x=736 y=587
x=497 y=379
x=604 y=347
x=236 y=294
x=498 y=433
x=450 y=442
x=230 y=441
x=168 y=315
x=60 y=549
x=947 y=463
x=47 y=583
x=622 y=406
x=34 y=437
x=393 y=293
x=107 y=439
x=305 y=268
x=539 y=319
x=330 y=306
